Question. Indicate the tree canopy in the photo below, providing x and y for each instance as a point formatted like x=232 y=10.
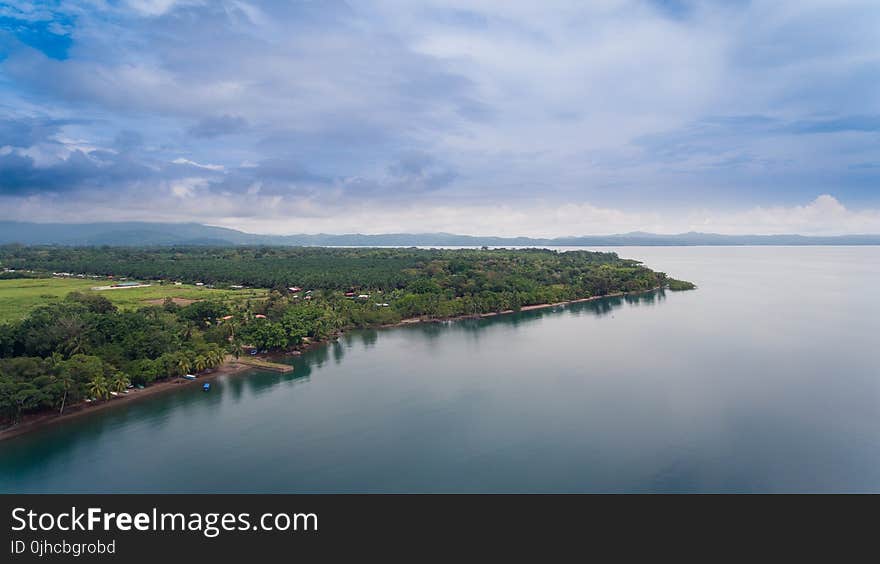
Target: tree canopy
x=84 y=347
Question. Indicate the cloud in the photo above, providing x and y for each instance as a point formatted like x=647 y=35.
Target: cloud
x=627 y=112
x=218 y=125
x=191 y=199
x=182 y=161
x=823 y=216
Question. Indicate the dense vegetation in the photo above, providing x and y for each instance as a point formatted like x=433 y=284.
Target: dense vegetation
x=84 y=347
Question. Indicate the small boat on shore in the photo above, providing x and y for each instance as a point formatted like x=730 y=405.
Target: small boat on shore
x=206 y=386
x=190 y=376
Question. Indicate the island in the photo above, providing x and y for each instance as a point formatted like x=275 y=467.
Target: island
x=81 y=326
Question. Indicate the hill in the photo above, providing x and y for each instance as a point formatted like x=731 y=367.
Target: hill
x=167 y=234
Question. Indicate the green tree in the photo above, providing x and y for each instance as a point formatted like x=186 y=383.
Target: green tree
x=183 y=365
x=99 y=387
x=200 y=363
x=66 y=381
x=119 y=382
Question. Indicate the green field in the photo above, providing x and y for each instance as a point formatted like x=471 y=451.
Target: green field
x=19 y=296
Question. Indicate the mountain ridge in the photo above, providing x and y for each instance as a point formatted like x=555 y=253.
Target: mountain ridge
x=170 y=234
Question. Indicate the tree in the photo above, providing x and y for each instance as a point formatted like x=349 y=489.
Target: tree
x=216 y=357
x=200 y=363
x=25 y=398
x=120 y=382
x=183 y=365
x=99 y=387
x=75 y=373
x=237 y=349
x=265 y=334
x=66 y=381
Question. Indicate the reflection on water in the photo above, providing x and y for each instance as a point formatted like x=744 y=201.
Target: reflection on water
x=764 y=379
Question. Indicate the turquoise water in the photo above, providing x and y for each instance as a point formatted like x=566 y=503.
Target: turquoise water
x=767 y=378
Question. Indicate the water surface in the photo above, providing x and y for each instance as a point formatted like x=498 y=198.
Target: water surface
x=764 y=379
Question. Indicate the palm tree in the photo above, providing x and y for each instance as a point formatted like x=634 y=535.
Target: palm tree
x=200 y=363
x=98 y=387
x=183 y=366
x=66 y=380
x=119 y=383
x=74 y=336
x=219 y=356
x=237 y=349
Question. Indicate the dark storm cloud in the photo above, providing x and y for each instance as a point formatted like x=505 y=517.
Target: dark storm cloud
x=19 y=174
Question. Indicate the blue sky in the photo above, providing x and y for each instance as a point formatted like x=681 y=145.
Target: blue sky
x=480 y=117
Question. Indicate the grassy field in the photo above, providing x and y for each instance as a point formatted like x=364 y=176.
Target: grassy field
x=18 y=297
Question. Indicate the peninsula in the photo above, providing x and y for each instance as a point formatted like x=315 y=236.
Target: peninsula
x=94 y=344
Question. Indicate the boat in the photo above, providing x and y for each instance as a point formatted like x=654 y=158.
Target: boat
x=190 y=377
x=206 y=386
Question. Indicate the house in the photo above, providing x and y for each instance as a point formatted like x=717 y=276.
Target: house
x=236 y=287
x=364 y=296
x=260 y=316
x=200 y=283
x=295 y=289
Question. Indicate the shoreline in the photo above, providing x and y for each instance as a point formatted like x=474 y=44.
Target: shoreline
x=416 y=320
x=43 y=420
x=232 y=366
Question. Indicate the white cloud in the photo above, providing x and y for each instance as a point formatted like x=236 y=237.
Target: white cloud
x=189 y=200
x=823 y=216
x=186 y=187
x=182 y=160
x=156 y=7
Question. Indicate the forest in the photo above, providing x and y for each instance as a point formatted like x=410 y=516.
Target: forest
x=85 y=348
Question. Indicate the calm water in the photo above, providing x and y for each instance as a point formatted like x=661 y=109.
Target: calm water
x=767 y=378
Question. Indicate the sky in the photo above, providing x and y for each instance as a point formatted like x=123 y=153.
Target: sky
x=483 y=117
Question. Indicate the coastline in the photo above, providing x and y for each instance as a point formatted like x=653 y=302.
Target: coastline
x=415 y=320
x=232 y=366
x=43 y=420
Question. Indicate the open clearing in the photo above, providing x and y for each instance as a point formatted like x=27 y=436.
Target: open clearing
x=19 y=296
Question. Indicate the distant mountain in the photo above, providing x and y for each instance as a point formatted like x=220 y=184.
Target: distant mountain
x=165 y=234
